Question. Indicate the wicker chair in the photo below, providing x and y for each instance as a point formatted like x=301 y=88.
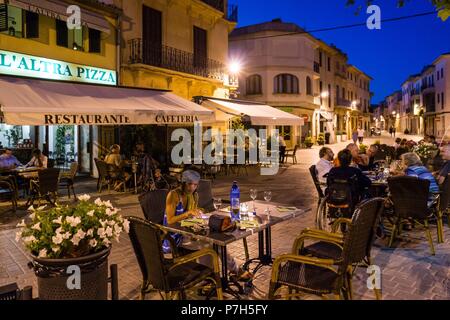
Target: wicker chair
x=442 y=208
x=104 y=177
x=153 y=204
x=12 y=292
x=67 y=179
x=169 y=276
x=45 y=187
x=327 y=275
x=313 y=173
x=410 y=196
x=291 y=154
x=9 y=188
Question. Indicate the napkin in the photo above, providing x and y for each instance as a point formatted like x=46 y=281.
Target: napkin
x=286 y=209
x=247 y=224
x=191 y=222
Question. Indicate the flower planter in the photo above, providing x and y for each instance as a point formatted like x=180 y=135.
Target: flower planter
x=338 y=138
x=52 y=277
x=344 y=138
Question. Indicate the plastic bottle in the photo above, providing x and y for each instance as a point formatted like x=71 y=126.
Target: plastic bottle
x=234 y=201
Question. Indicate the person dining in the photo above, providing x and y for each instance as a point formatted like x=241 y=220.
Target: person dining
x=181 y=204
x=38 y=160
x=445 y=170
x=325 y=163
x=357 y=158
x=114 y=160
x=8 y=160
x=413 y=167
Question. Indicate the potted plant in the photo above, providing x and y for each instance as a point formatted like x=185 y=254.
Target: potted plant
x=344 y=136
x=362 y=148
x=67 y=239
x=321 y=139
x=308 y=142
x=426 y=152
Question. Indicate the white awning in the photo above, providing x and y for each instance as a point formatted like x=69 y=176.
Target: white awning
x=259 y=114
x=42 y=102
x=58 y=10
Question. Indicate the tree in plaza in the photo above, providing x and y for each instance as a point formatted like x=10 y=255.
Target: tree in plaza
x=442 y=6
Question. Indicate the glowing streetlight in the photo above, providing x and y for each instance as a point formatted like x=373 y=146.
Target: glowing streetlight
x=235 y=67
x=324 y=94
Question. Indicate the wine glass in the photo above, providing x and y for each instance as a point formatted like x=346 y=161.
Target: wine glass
x=253 y=195
x=217 y=202
x=268 y=197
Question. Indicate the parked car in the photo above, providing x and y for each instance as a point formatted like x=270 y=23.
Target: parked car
x=375 y=131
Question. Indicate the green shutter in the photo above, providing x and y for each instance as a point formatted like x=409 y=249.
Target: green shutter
x=3 y=17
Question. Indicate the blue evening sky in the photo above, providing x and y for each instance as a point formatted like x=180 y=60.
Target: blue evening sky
x=389 y=55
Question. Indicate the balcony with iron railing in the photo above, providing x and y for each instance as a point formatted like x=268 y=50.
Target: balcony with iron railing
x=231 y=14
x=174 y=59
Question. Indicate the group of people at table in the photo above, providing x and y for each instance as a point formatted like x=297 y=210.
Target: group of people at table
x=351 y=163
x=9 y=162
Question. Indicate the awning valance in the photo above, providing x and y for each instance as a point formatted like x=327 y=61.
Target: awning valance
x=259 y=114
x=42 y=102
x=58 y=10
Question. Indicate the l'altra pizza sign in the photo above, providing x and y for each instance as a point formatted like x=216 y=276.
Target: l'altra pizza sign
x=18 y=64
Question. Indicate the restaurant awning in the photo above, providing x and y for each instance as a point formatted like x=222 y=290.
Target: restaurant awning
x=43 y=102
x=58 y=10
x=258 y=114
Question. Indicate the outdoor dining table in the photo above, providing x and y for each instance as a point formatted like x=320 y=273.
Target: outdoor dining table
x=220 y=241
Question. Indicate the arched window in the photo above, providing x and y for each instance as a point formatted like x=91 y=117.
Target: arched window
x=309 y=86
x=286 y=83
x=254 y=84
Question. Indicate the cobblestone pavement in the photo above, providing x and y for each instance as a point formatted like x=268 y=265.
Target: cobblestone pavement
x=408 y=270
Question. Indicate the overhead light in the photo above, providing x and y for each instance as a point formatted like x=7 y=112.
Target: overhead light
x=324 y=94
x=235 y=67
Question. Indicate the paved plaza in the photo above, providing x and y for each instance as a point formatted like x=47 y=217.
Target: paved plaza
x=408 y=270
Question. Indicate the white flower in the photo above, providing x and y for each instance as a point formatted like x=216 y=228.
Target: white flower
x=109 y=231
x=98 y=202
x=106 y=242
x=117 y=229
x=108 y=204
x=42 y=207
x=90 y=232
x=73 y=221
x=18 y=236
x=75 y=240
x=56 y=249
x=91 y=213
x=103 y=223
x=109 y=212
x=66 y=235
x=30 y=208
x=111 y=223
x=84 y=197
x=21 y=224
x=58 y=239
x=93 y=243
x=59 y=230
x=33 y=215
x=43 y=253
x=37 y=226
x=28 y=240
x=101 y=232
x=58 y=221
x=81 y=234
x=126 y=225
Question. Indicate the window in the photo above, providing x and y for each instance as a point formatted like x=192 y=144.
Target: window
x=309 y=90
x=438 y=74
x=254 y=84
x=94 y=41
x=337 y=92
x=61 y=33
x=442 y=100
x=329 y=64
x=329 y=96
x=151 y=36
x=200 y=47
x=11 y=21
x=72 y=39
x=438 y=98
x=343 y=93
x=320 y=58
x=321 y=91
x=442 y=73
x=286 y=83
x=32 y=24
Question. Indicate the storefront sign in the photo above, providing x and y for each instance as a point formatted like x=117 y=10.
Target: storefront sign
x=166 y=119
x=88 y=119
x=18 y=64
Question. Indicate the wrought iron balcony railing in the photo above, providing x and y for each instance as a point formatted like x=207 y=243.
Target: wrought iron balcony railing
x=174 y=59
x=343 y=102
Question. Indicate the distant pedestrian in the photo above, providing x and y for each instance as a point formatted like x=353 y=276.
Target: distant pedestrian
x=355 y=135
x=390 y=131
x=394 y=131
x=360 y=135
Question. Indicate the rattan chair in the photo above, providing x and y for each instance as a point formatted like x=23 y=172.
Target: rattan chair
x=9 y=188
x=153 y=205
x=104 y=177
x=410 y=196
x=291 y=154
x=45 y=187
x=327 y=275
x=313 y=173
x=67 y=179
x=170 y=277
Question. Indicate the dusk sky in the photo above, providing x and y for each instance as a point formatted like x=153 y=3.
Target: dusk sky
x=389 y=55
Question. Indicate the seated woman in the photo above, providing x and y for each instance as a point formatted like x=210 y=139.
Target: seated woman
x=38 y=160
x=182 y=203
x=114 y=160
x=414 y=168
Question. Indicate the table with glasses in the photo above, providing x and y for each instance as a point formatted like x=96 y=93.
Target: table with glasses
x=260 y=224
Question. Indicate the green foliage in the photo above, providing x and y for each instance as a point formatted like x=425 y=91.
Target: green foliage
x=321 y=139
x=362 y=148
x=442 y=6
x=14 y=135
x=60 y=146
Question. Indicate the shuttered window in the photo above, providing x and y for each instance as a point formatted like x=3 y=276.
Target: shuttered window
x=200 y=47
x=3 y=17
x=61 y=33
x=32 y=24
x=94 y=40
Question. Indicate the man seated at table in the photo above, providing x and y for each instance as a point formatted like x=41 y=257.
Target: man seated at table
x=397 y=143
x=413 y=167
x=348 y=173
x=8 y=160
x=39 y=160
x=445 y=170
x=357 y=158
x=325 y=163
x=371 y=152
x=181 y=204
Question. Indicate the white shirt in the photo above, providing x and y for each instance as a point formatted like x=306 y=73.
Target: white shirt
x=281 y=141
x=360 y=132
x=323 y=167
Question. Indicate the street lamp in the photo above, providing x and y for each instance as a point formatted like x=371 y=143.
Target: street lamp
x=234 y=67
x=324 y=94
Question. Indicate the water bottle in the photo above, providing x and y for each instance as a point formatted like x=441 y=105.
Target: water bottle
x=234 y=201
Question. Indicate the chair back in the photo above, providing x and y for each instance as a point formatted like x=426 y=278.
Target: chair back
x=48 y=180
x=410 y=196
x=205 y=196
x=153 y=204
x=359 y=238
x=50 y=163
x=102 y=168
x=444 y=200
x=147 y=245
x=73 y=170
x=313 y=173
x=341 y=192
